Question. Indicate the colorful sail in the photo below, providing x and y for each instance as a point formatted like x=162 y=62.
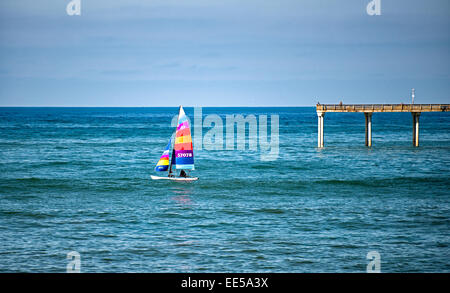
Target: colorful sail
x=163 y=163
x=184 y=152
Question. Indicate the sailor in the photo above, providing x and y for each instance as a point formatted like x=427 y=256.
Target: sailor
x=182 y=173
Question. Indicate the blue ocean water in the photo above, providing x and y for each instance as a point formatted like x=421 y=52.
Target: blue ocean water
x=77 y=179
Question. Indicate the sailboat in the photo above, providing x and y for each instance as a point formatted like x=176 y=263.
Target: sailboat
x=182 y=153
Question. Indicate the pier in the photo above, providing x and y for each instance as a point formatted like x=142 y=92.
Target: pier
x=369 y=109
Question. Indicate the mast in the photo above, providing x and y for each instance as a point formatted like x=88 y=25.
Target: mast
x=171 y=161
x=173 y=149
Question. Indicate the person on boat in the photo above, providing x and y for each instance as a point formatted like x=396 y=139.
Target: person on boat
x=183 y=174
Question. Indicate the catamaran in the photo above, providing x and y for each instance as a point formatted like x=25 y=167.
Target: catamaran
x=182 y=153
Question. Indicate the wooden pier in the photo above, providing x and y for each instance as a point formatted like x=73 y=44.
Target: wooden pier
x=369 y=109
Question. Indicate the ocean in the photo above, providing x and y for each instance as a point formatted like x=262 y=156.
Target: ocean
x=78 y=179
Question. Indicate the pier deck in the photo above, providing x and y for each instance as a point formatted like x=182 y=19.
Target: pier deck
x=369 y=109
x=372 y=108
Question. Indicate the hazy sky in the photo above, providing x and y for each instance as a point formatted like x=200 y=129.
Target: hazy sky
x=223 y=53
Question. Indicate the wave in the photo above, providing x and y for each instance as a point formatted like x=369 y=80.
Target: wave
x=270 y=211
x=26 y=214
x=380 y=182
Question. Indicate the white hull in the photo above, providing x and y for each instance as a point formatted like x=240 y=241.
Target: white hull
x=174 y=178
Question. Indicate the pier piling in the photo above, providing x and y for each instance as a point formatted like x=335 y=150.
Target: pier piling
x=415 y=116
x=320 y=116
x=368 y=117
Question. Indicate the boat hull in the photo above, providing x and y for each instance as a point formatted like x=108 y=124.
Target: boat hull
x=174 y=178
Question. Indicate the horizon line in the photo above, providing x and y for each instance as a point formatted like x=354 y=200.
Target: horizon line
x=189 y=106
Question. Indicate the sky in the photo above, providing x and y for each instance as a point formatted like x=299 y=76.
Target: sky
x=223 y=53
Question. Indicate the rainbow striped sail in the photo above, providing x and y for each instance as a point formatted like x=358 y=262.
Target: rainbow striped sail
x=163 y=163
x=184 y=152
